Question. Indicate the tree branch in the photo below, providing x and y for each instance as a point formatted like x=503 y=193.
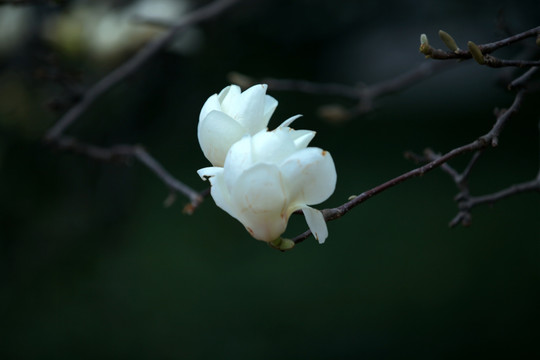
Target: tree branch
x=466 y=205
x=124 y=153
x=489 y=139
x=366 y=95
x=521 y=81
x=484 y=49
x=55 y=135
x=134 y=63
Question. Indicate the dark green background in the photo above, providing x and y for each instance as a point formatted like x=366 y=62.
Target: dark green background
x=92 y=265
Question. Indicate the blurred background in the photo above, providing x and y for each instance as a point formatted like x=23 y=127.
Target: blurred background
x=92 y=264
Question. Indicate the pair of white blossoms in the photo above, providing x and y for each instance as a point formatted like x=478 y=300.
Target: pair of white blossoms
x=261 y=177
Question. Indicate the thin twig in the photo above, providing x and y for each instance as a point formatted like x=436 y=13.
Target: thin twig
x=471 y=202
x=144 y=157
x=523 y=79
x=491 y=47
x=123 y=153
x=465 y=201
x=364 y=94
x=465 y=174
x=493 y=135
x=303 y=86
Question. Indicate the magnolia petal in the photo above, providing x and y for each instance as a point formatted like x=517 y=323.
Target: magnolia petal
x=208 y=172
x=220 y=193
x=238 y=159
x=249 y=109
x=210 y=105
x=270 y=105
x=273 y=146
x=290 y=120
x=261 y=201
x=302 y=138
x=310 y=174
x=228 y=98
x=217 y=132
x=316 y=223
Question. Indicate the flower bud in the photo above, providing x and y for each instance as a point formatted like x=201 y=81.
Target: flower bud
x=448 y=40
x=425 y=48
x=476 y=53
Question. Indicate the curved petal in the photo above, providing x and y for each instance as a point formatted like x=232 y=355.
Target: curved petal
x=249 y=109
x=270 y=105
x=217 y=132
x=228 y=98
x=316 y=223
x=220 y=193
x=260 y=198
x=273 y=146
x=290 y=120
x=239 y=158
x=310 y=174
x=208 y=172
x=212 y=103
x=302 y=138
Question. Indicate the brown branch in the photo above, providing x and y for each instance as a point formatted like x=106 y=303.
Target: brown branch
x=494 y=62
x=493 y=135
x=56 y=138
x=124 y=153
x=366 y=95
x=303 y=86
x=479 y=52
x=464 y=198
x=467 y=204
x=521 y=81
x=134 y=63
x=489 y=139
x=491 y=47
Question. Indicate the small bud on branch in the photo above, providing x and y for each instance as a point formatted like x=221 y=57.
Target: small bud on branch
x=448 y=40
x=476 y=53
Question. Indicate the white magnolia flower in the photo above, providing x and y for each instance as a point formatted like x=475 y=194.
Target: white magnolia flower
x=268 y=176
x=226 y=117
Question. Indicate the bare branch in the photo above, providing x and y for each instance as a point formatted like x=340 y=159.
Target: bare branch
x=485 y=49
x=465 y=201
x=491 y=47
x=493 y=135
x=523 y=79
x=134 y=63
x=471 y=202
x=482 y=142
x=468 y=168
x=494 y=62
x=303 y=86
x=144 y=157
x=480 y=53
x=366 y=95
x=55 y=136
x=124 y=153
